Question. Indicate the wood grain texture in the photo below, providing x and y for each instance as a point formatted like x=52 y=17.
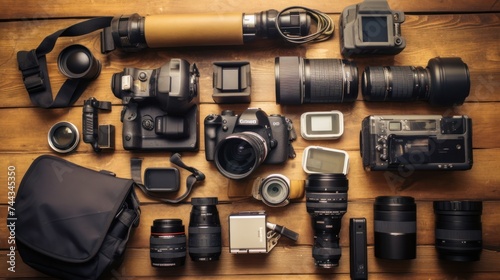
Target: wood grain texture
x=462 y=28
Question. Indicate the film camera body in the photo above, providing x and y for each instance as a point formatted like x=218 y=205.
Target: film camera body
x=160 y=106
x=239 y=144
x=371 y=27
x=423 y=142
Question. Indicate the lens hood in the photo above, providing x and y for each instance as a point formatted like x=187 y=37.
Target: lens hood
x=77 y=62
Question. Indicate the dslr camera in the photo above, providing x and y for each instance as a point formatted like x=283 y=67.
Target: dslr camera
x=421 y=142
x=371 y=27
x=160 y=106
x=239 y=144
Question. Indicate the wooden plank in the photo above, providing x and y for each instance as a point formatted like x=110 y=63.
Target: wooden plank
x=35 y=140
x=296 y=218
x=427 y=36
x=478 y=183
x=65 y=8
x=288 y=261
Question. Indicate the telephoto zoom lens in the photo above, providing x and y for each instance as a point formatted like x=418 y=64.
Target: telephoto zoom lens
x=444 y=82
x=300 y=80
x=167 y=243
x=395 y=227
x=326 y=202
x=458 y=230
x=204 y=230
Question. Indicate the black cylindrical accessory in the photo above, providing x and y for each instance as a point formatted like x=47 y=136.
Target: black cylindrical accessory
x=63 y=137
x=77 y=62
x=167 y=243
x=326 y=202
x=300 y=80
x=204 y=230
x=444 y=82
x=395 y=227
x=458 y=233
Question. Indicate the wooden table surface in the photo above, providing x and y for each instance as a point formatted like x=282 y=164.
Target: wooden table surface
x=467 y=29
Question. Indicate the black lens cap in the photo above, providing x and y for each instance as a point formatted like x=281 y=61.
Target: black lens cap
x=77 y=62
x=63 y=137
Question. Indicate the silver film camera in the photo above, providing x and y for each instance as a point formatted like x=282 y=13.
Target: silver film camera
x=419 y=142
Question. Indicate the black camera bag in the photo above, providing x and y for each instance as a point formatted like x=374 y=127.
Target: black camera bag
x=73 y=222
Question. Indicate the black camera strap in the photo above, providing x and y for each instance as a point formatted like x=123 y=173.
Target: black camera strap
x=33 y=66
x=196 y=175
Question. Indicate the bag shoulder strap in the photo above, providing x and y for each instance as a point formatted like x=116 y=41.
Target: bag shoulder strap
x=33 y=66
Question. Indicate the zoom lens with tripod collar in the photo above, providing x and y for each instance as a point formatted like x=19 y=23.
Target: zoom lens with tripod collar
x=326 y=202
x=167 y=243
x=300 y=80
x=458 y=230
x=395 y=227
x=444 y=82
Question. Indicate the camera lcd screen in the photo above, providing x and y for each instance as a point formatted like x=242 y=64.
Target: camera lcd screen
x=375 y=29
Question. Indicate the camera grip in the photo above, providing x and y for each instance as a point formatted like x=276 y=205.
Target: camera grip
x=89 y=123
x=212 y=122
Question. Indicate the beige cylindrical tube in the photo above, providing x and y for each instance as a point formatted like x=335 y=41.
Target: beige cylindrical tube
x=193 y=30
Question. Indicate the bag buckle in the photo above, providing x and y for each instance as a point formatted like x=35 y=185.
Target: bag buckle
x=30 y=68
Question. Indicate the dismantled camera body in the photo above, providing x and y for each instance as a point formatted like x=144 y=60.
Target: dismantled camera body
x=160 y=107
x=371 y=27
x=250 y=233
x=420 y=142
x=239 y=144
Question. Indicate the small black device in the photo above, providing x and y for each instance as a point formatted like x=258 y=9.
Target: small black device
x=424 y=142
x=167 y=243
x=395 y=227
x=458 y=232
x=162 y=179
x=357 y=248
x=99 y=136
x=204 y=230
x=444 y=82
x=239 y=144
x=160 y=107
x=300 y=80
x=63 y=137
x=326 y=202
x=251 y=233
x=232 y=82
x=371 y=27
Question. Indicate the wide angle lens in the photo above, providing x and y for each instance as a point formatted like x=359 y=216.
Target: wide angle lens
x=444 y=82
x=239 y=154
x=300 y=80
x=458 y=231
x=167 y=243
x=395 y=227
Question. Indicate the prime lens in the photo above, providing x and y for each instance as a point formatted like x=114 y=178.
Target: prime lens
x=300 y=80
x=326 y=202
x=444 y=82
x=63 y=137
x=395 y=227
x=167 y=243
x=239 y=154
x=458 y=230
x=204 y=230
x=275 y=190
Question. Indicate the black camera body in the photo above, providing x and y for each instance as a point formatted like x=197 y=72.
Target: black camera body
x=265 y=138
x=160 y=107
x=417 y=142
x=371 y=27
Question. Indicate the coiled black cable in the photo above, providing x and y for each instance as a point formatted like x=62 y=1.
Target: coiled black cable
x=324 y=27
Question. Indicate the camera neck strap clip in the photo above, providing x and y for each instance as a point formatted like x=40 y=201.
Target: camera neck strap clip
x=33 y=66
x=196 y=175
